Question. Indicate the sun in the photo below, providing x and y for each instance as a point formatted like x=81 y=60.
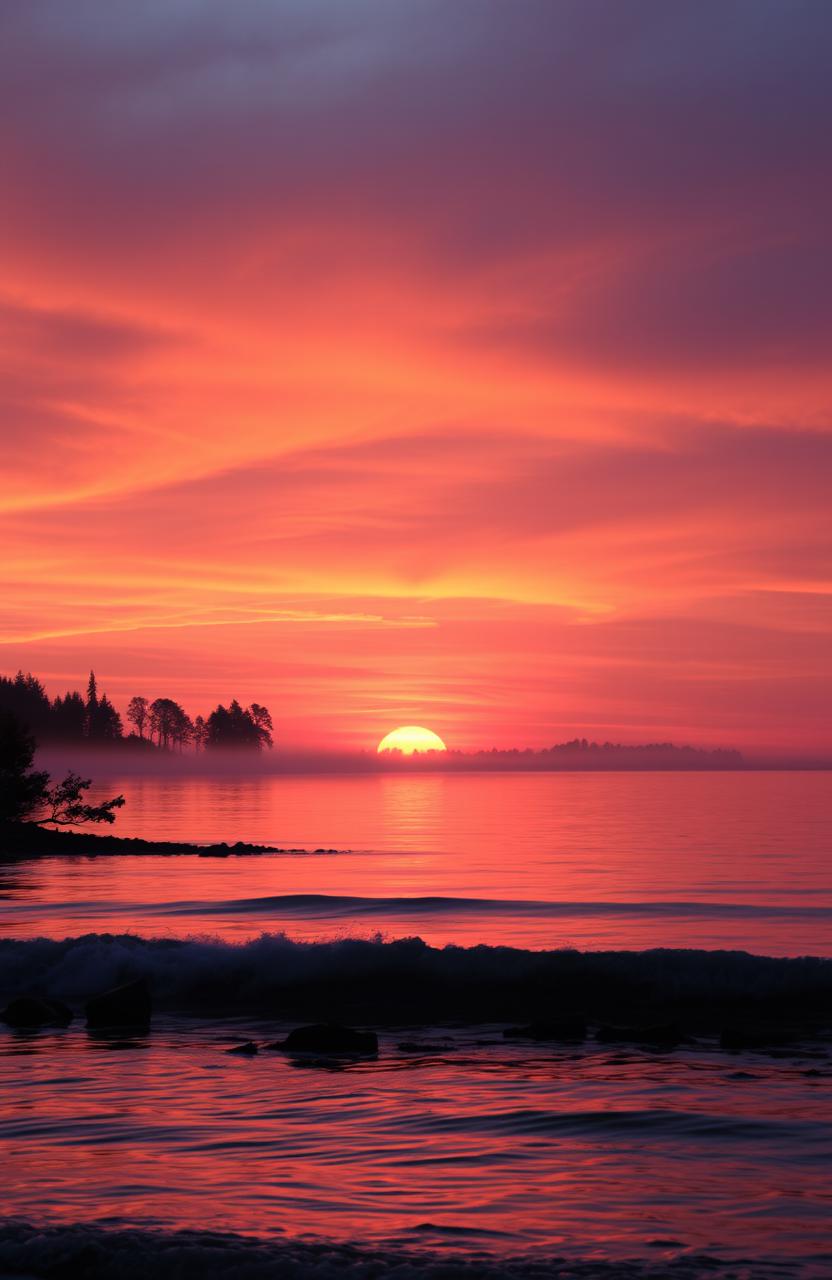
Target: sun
x=411 y=738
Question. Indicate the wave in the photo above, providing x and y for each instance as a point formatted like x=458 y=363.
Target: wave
x=33 y=1252
x=313 y=905
x=408 y=981
x=813 y=1134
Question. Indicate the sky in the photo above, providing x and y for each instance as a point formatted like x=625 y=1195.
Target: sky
x=453 y=362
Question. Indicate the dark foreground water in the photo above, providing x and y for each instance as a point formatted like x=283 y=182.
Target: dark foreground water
x=455 y=1148
x=466 y=1142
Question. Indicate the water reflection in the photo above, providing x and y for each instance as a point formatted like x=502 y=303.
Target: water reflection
x=546 y=1147
x=704 y=860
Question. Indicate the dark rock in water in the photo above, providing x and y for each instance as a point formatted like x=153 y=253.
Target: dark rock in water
x=127 y=1006
x=324 y=1038
x=663 y=1035
x=248 y=1050
x=425 y=1046
x=573 y=1028
x=36 y=1011
x=757 y=1035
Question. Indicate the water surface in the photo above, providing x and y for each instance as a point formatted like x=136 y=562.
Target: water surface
x=737 y=860
x=472 y=1143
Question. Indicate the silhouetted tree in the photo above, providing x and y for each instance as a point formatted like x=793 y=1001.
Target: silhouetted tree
x=65 y=805
x=200 y=733
x=138 y=713
x=25 y=697
x=169 y=722
x=184 y=730
x=22 y=789
x=92 y=695
x=69 y=717
x=25 y=793
x=235 y=726
x=92 y=717
x=263 y=722
x=104 y=721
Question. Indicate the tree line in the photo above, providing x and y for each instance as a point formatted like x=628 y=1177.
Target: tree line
x=160 y=723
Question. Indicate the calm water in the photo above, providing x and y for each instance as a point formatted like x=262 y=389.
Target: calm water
x=568 y=1151
x=590 y=860
x=473 y=1142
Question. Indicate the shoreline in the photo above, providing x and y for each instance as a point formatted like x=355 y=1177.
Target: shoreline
x=43 y=1250
x=27 y=840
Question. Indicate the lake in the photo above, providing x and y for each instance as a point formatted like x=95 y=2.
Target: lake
x=628 y=860
x=618 y=1159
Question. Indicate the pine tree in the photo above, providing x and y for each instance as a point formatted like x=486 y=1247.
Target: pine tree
x=92 y=706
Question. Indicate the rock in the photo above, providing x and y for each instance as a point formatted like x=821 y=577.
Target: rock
x=663 y=1035
x=36 y=1011
x=757 y=1035
x=324 y=1038
x=127 y=1006
x=248 y=1049
x=571 y=1028
x=425 y=1046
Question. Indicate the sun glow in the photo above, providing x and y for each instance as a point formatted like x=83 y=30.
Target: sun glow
x=411 y=738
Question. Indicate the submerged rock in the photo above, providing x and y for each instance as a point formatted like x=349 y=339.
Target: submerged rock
x=326 y=1038
x=248 y=1050
x=125 y=1006
x=36 y=1011
x=571 y=1028
x=664 y=1035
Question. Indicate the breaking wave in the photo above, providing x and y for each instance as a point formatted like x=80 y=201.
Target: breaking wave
x=407 y=980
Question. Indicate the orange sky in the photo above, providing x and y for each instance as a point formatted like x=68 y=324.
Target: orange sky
x=463 y=364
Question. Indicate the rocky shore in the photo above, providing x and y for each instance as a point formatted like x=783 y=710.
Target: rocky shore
x=27 y=840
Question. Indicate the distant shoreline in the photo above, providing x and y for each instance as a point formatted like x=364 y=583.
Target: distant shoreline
x=121 y=761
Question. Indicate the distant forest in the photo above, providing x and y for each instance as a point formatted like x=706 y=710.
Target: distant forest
x=580 y=754
x=162 y=724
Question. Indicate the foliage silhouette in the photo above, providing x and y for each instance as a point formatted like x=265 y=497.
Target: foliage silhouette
x=199 y=737
x=69 y=717
x=138 y=713
x=67 y=807
x=171 y=724
x=25 y=793
x=24 y=696
x=103 y=721
x=22 y=788
x=163 y=724
x=236 y=726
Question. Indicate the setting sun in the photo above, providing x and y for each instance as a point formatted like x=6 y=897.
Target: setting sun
x=410 y=738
